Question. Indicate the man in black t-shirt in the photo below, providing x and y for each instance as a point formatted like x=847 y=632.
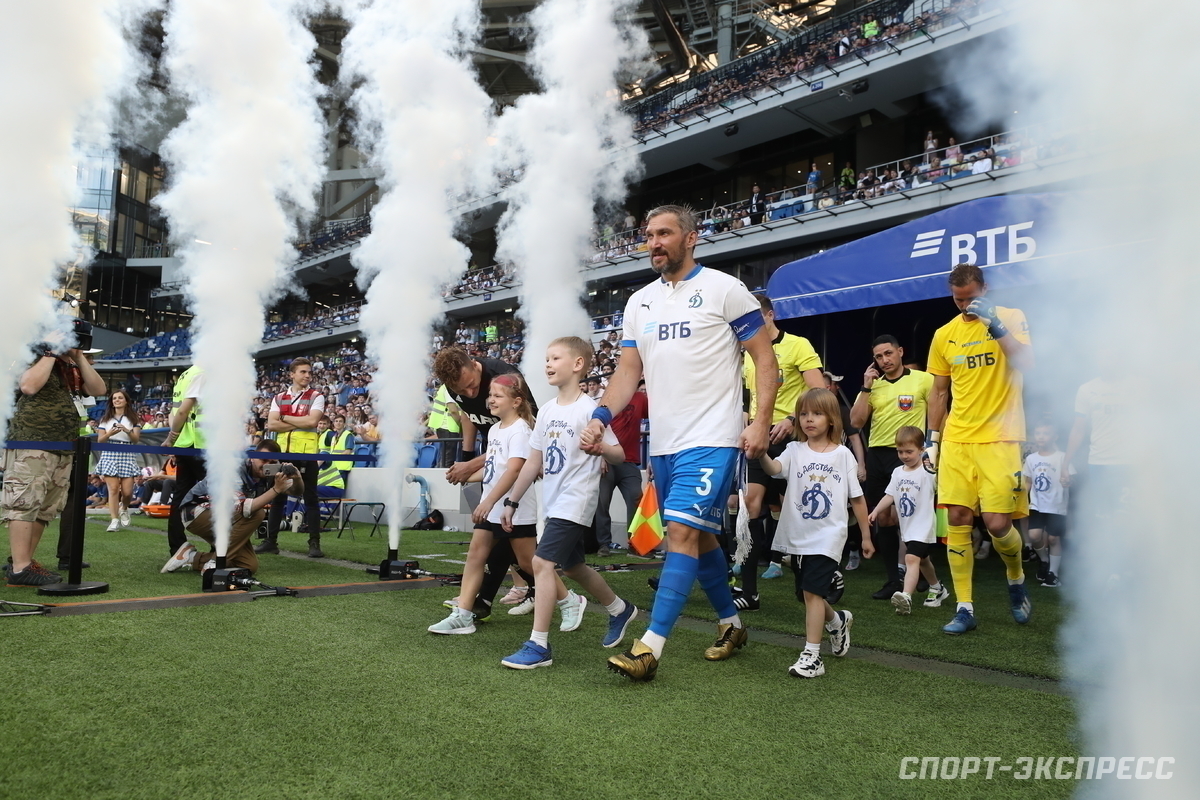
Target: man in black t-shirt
x=469 y=380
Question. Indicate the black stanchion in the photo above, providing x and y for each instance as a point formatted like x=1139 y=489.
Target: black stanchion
x=79 y=476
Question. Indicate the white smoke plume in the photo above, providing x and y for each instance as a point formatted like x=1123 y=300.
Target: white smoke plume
x=245 y=166
x=65 y=66
x=1119 y=89
x=424 y=118
x=573 y=147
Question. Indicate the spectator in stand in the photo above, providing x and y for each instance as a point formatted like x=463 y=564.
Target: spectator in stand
x=871 y=28
x=593 y=389
x=758 y=205
x=953 y=152
x=813 y=183
x=981 y=163
x=931 y=146
x=846 y=179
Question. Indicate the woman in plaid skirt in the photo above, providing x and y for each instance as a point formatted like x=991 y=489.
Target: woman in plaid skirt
x=118 y=469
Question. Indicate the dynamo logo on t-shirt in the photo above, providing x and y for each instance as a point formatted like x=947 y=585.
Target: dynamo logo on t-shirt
x=489 y=469
x=556 y=459
x=817 y=501
x=907 y=506
x=1041 y=483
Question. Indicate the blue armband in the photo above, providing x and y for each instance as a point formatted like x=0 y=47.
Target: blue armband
x=603 y=414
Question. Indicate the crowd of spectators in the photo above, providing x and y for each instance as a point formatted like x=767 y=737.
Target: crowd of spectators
x=858 y=34
x=334 y=235
x=482 y=279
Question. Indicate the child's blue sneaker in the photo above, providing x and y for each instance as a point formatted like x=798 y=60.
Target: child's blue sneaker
x=963 y=621
x=773 y=571
x=1018 y=599
x=618 y=624
x=531 y=656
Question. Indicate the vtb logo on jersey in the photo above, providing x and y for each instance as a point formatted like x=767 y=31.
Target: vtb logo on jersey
x=905 y=402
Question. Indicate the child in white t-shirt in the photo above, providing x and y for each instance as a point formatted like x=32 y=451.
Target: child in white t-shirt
x=911 y=490
x=1048 y=497
x=570 y=491
x=822 y=478
x=507 y=453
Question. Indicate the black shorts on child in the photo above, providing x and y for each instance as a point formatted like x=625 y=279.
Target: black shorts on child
x=562 y=542
x=498 y=532
x=1053 y=524
x=918 y=549
x=814 y=574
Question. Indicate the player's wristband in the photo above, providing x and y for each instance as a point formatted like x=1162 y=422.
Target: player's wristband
x=864 y=390
x=510 y=504
x=603 y=414
x=468 y=455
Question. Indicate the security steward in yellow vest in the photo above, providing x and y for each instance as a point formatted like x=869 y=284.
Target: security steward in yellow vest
x=186 y=414
x=293 y=419
x=443 y=418
x=338 y=442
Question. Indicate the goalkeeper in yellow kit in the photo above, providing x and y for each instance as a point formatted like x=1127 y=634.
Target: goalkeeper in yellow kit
x=979 y=357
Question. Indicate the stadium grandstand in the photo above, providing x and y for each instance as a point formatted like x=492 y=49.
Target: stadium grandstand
x=836 y=111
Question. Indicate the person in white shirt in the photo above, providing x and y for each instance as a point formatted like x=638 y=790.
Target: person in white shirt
x=1048 y=496
x=570 y=491
x=508 y=451
x=911 y=490
x=686 y=331
x=118 y=425
x=822 y=479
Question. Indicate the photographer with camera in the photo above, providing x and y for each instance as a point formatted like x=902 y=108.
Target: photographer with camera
x=261 y=481
x=36 y=481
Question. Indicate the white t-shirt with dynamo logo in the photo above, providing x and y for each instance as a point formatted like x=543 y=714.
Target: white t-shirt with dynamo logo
x=570 y=477
x=1046 y=492
x=814 y=519
x=687 y=335
x=913 y=490
x=503 y=444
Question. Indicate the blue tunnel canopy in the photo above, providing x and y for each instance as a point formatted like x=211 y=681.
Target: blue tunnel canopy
x=1010 y=237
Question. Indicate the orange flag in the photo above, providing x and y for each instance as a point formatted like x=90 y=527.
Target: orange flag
x=646 y=530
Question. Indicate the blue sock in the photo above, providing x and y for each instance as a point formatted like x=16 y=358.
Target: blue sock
x=714 y=579
x=674 y=586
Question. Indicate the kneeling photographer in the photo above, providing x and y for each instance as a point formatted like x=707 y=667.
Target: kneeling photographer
x=261 y=481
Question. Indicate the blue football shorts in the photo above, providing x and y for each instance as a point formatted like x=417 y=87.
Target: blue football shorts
x=694 y=484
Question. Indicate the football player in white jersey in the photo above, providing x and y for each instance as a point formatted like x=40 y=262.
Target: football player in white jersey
x=686 y=330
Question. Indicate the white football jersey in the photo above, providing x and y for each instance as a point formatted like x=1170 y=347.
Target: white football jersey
x=687 y=335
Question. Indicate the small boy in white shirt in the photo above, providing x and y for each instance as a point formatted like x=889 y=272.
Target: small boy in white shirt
x=570 y=491
x=1048 y=498
x=911 y=490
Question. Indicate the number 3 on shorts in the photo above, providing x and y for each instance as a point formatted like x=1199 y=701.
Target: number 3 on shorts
x=705 y=487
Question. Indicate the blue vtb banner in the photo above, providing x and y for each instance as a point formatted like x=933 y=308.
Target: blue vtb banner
x=1009 y=237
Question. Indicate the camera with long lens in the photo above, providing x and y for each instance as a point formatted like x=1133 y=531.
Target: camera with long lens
x=80 y=337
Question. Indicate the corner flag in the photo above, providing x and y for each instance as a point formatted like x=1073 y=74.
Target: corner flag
x=646 y=530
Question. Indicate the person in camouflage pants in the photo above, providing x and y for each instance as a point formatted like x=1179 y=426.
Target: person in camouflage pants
x=36 y=481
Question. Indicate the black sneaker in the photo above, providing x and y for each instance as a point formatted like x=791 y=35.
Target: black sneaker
x=1027 y=554
x=652 y=582
x=922 y=585
x=267 y=546
x=314 y=549
x=30 y=576
x=64 y=565
x=837 y=587
x=1051 y=581
x=745 y=602
x=1043 y=572
x=889 y=589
